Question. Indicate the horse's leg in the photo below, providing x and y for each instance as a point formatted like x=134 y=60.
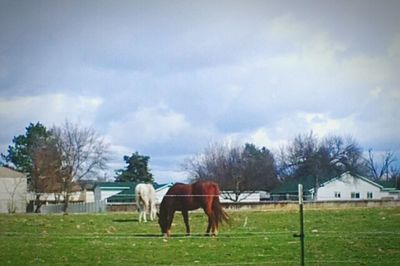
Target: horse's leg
x=208 y=212
x=152 y=211
x=145 y=211
x=170 y=219
x=209 y=226
x=185 y=215
x=212 y=220
x=139 y=209
x=214 y=225
x=140 y=213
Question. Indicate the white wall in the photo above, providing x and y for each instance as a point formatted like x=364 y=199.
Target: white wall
x=13 y=192
x=100 y=194
x=83 y=196
x=348 y=184
x=243 y=197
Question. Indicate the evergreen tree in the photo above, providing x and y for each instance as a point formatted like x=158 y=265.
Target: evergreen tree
x=20 y=152
x=136 y=171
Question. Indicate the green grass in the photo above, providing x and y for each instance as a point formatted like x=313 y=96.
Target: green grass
x=333 y=237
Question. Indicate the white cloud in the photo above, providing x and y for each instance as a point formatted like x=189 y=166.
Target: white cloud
x=286 y=28
x=394 y=47
x=165 y=176
x=262 y=138
x=49 y=109
x=375 y=92
x=319 y=123
x=147 y=125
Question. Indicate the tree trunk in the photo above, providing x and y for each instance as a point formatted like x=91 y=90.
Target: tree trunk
x=66 y=202
x=316 y=183
x=38 y=203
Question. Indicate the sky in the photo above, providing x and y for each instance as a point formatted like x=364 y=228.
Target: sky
x=167 y=78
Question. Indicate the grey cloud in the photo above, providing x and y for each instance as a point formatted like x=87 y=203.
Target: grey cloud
x=216 y=64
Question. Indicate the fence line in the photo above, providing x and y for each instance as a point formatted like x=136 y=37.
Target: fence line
x=329 y=234
x=278 y=262
x=81 y=207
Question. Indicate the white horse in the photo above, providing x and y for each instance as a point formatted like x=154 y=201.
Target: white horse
x=145 y=201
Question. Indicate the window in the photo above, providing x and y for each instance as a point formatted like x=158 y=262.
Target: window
x=355 y=195
x=337 y=195
x=370 y=195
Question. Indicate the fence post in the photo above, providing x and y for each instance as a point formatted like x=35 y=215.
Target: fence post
x=301 y=225
x=301 y=235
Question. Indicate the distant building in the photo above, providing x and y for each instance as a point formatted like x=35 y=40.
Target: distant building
x=124 y=192
x=354 y=187
x=13 y=191
x=342 y=188
x=56 y=195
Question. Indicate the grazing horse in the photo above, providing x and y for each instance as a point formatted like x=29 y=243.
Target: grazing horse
x=184 y=198
x=145 y=201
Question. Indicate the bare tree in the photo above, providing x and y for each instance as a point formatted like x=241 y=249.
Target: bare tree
x=46 y=170
x=306 y=157
x=384 y=171
x=236 y=169
x=82 y=152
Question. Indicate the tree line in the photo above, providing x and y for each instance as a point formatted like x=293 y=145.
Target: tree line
x=306 y=158
x=56 y=159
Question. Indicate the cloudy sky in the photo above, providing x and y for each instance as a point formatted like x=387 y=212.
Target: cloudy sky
x=166 y=78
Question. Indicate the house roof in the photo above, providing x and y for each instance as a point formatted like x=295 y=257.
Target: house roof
x=291 y=186
x=127 y=193
x=127 y=185
x=115 y=185
x=6 y=172
x=387 y=184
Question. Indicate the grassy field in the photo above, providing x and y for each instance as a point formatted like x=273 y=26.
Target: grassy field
x=333 y=237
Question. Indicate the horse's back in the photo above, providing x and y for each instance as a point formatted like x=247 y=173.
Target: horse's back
x=207 y=188
x=145 y=191
x=179 y=197
x=190 y=196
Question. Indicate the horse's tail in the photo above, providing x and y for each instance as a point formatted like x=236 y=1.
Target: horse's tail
x=219 y=213
x=140 y=201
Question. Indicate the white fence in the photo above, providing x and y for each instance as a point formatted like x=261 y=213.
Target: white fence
x=91 y=207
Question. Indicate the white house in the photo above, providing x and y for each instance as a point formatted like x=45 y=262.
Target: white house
x=350 y=187
x=13 y=191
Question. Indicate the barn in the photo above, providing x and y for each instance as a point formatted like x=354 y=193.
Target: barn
x=13 y=191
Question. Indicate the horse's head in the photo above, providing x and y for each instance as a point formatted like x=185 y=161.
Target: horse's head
x=164 y=224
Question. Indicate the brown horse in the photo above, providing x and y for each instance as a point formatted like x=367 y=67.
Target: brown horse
x=184 y=198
